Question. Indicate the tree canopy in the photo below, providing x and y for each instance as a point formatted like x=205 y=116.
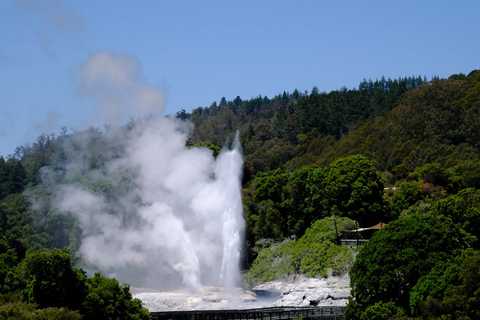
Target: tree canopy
x=404 y=151
x=396 y=257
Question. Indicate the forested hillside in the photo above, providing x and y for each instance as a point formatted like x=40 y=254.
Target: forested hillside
x=290 y=129
x=405 y=152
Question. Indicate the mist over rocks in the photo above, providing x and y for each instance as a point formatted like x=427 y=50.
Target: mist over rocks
x=331 y=291
x=151 y=211
x=210 y=298
x=304 y=292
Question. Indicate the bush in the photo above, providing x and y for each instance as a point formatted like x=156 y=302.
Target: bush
x=382 y=311
x=312 y=255
x=15 y=309
x=54 y=285
x=396 y=257
x=108 y=300
x=52 y=282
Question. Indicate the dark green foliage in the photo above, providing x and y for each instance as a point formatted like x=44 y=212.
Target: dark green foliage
x=106 y=299
x=464 y=210
x=382 y=311
x=23 y=310
x=52 y=282
x=288 y=115
x=295 y=194
x=435 y=285
x=465 y=298
x=468 y=173
x=348 y=187
x=4 y=174
x=302 y=164
x=399 y=125
x=459 y=76
x=267 y=155
x=434 y=174
x=263 y=208
x=396 y=257
x=27 y=229
x=17 y=235
x=13 y=177
x=435 y=123
x=10 y=270
x=269 y=186
x=269 y=221
x=407 y=195
x=182 y=115
x=279 y=205
x=450 y=290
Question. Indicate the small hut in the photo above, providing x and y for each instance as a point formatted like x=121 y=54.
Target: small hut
x=353 y=243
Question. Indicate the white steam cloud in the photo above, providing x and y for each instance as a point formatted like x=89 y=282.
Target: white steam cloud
x=116 y=81
x=151 y=210
x=55 y=19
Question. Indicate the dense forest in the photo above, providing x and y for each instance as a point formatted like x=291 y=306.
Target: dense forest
x=404 y=152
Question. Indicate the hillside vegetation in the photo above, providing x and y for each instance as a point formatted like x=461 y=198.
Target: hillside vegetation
x=403 y=151
x=315 y=254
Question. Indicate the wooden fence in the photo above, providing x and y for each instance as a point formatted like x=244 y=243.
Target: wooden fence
x=319 y=313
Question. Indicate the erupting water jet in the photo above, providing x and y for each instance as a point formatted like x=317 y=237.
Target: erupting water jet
x=232 y=217
x=152 y=211
x=171 y=221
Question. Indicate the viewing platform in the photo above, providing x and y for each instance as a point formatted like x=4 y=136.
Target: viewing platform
x=353 y=243
x=320 y=313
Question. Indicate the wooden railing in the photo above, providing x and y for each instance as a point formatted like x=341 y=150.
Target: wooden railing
x=319 y=313
x=353 y=243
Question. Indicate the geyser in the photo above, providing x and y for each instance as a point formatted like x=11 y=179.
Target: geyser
x=230 y=165
x=152 y=211
x=171 y=215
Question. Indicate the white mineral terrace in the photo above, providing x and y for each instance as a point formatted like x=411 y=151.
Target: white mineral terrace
x=332 y=291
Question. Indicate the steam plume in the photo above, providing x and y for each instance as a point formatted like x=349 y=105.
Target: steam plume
x=153 y=211
x=116 y=81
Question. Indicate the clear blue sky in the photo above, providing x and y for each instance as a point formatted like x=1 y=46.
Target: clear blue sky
x=199 y=51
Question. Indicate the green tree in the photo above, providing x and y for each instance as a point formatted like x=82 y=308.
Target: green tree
x=406 y=195
x=23 y=310
x=469 y=173
x=10 y=257
x=269 y=222
x=182 y=115
x=13 y=177
x=435 y=174
x=52 y=282
x=382 y=311
x=396 y=257
x=464 y=210
x=353 y=186
x=464 y=299
x=426 y=297
x=3 y=178
x=450 y=290
x=269 y=185
x=107 y=299
x=295 y=196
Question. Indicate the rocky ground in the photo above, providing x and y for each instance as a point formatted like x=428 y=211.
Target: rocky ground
x=332 y=291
